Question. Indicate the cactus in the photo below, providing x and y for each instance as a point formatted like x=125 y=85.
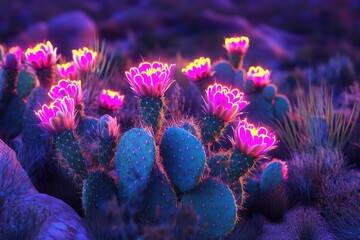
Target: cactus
x=215 y=204
x=160 y=198
x=251 y=190
x=70 y=151
x=223 y=73
x=183 y=158
x=218 y=165
x=269 y=92
x=46 y=76
x=240 y=164
x=188 y=127
x=151 y=111
x=26 y=83
x=135 y=157
x=211 y=129
x=11 y=117
x=99 y=187
x=281 y=106
x=260 y=109
x=271 y=177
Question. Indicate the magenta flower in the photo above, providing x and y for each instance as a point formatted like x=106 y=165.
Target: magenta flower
x=59 y=116
x=198 y=70
x=252 y=141
x=12 y=59
x=260 y=76
x=224 y=103
x=84 y=59
x=107 y=127
x=111 y=100
x=150 y=79
x=66 y=87
x=42 y=55
x=67 y=71
x=237 y=45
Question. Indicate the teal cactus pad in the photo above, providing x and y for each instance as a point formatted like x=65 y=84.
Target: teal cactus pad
x=272 y=177
x=240 y=164
x=223 y=73
x=249 y=86
x=135 y=158
x=151 y=112
x=160 y=198
x=282 y=106
x=211 y=129
x=99 y=187
x=218 y=165
x=70 y=151
x=11 y=117
x=269 y=92
x=215 y=204
x=106 y=151
x=26 y=83
x=188 y=127
x=183 y=158
x=259 y=109
x=252 y=191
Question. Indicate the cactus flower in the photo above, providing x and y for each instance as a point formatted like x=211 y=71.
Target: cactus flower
x=198 y=70
x=59 y=116
x=43 y=55
x=12 y=59
x=260 y=76
x=224 y=103
x=150 y=79
x=67 y=71
x=84 y=59
x=107 y=127
x=111 y=100
x=66 y=87
x=252 y=141
x=236 y=45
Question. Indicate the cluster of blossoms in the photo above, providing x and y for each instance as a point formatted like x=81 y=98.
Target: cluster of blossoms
x=224 y=103
x=150 y=79
x=65 y=87
x=198 y=70
x=260 y=76
x=252 y=141
x=111 y=100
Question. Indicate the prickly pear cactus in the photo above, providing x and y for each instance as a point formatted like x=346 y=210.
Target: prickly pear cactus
x=26 y=83
x=135 y=158
x=215 y=204
x=188 y=127
x=225 y=74
x=240 y=164
x=160 y=198
x=211 y=129
x=98 y=187
x=271 y=177
x=70 y=151
x=151 y=112
x=218 y=165
x=281 y=106
x=251 y=191
x=183 y=158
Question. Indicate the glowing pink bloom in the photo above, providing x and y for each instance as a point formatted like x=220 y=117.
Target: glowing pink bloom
x=198 y=69
x=111 y=100
x=13 y=59
x=59 y=116
x=252 y=141
x=150 y=79
x=42 y=55
x=223 y=102
x=84 y=59
x=107 y=127
x=66 y=87
x=236 y=45
x=67 y=70
x=260 y=76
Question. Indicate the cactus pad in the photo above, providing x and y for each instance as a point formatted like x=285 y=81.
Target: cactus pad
x=271 y=177
x=240 y=164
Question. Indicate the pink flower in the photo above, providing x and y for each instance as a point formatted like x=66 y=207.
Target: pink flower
x=224 y=103
x=252 y=141
x=111 y=100
x=66 y=87
x=67 y=70
x=198 y=69
x=13 y=59
x=107 y=127
x=84 y=59
x=42 y=55
x=59 y=116
x=260 y=76
x=150 y=79
x=236 y=45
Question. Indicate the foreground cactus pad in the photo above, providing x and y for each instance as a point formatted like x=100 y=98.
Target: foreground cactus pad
x=134 y=161
x=183 y=157
x=215 y=204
